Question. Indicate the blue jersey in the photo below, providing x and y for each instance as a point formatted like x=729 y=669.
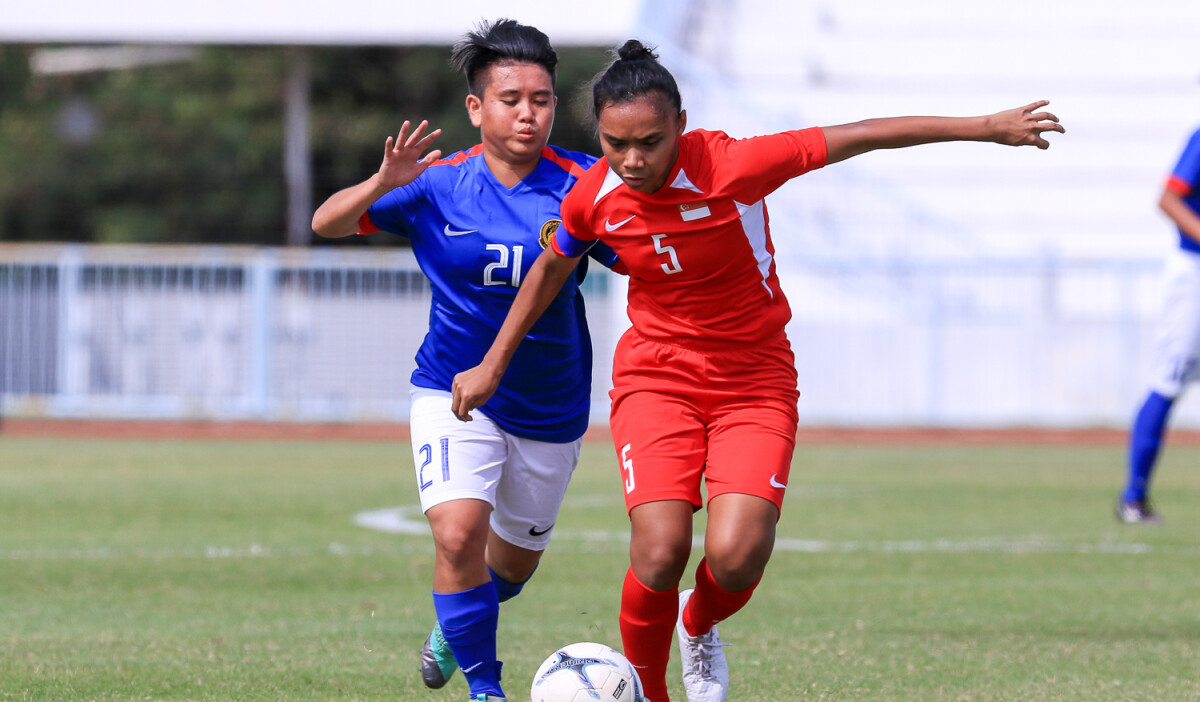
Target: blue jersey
x=1185 y=181
x=476 y=239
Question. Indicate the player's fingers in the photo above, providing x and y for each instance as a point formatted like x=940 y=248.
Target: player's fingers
x=458 y=404
x=1044 y=117
x=403 y=135
x=1035 y=105
x=430 y=157
x=428 y=139
x=415 y=137
x=1043 y=127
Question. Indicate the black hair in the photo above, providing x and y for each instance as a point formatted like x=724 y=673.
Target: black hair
x=635 y=72
x=502 y=41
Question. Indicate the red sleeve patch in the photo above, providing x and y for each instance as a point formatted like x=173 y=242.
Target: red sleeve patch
x=1179 y=186
x=365 y=225
x=460 y=156
x=564 y=163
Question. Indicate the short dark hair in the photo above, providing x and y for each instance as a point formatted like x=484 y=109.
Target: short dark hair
x=501 y=41
x=635 y=72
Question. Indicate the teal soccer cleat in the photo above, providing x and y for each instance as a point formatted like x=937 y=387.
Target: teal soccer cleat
x=437 y=660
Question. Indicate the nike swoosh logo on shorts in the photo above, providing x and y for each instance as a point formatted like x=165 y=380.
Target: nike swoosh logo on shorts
x=776 y=484
x=454 y=232
x=610 y=227
x=534 y=532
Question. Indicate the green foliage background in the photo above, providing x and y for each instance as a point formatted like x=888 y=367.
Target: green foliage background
x=192 y=151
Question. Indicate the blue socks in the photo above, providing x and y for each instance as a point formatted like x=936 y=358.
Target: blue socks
x=504 y=589
x=1145 y=440
x=469 y=620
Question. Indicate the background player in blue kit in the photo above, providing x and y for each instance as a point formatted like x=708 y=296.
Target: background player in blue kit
x=1177 y=356
x=491 y=489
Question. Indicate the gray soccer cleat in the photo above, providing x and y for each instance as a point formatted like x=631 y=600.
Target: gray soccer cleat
x=705 y=672
x=1136 y=512
x=437 y=660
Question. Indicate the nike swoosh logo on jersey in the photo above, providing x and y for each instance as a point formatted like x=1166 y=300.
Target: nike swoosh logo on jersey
x=776 y=484
x=610 y=227
x=454 y=232
x=534 y=532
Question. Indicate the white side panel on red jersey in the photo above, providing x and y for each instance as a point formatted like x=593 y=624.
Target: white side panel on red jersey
x=754 y=224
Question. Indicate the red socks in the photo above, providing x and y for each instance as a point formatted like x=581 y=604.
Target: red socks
x=647 y=627
x=711 y=603
x=648 y=622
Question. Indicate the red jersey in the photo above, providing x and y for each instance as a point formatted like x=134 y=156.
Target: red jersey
x=699 y=251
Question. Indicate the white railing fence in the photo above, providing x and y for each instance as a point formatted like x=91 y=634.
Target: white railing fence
x=229 y=333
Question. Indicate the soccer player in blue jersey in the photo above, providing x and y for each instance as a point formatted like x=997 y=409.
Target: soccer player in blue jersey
x=1177 y=356
x=491 y=488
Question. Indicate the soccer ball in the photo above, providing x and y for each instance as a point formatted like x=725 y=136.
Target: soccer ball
x=584 y=672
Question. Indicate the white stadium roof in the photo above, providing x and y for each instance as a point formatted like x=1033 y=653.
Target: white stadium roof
x=344 y=22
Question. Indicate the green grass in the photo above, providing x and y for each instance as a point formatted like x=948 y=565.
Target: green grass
x=173 y=570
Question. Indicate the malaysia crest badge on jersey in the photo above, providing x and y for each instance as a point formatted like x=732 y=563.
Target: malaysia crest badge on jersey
x=547 y=233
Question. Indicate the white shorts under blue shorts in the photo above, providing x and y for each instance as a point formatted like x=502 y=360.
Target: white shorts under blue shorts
x=1177 y=351
x=523 y=480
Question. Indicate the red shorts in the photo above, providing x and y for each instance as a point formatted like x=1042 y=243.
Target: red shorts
x=723 y=412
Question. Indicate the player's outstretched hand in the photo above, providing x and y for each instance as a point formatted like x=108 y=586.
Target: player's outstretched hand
x=402 y=161
x=1024 y=126
x=472 y=388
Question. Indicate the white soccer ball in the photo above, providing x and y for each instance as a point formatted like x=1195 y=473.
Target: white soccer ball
x=584 y=672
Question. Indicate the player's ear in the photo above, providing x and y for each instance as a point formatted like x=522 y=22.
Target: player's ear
x=682 y=122
x=474 y=110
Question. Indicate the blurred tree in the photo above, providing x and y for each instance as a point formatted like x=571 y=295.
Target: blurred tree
x=192 y=151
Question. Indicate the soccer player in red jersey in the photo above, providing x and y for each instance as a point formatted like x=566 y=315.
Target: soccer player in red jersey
x=704 y=383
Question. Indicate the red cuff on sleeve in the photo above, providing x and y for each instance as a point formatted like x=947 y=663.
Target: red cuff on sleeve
x=365 y=225
x=1179 y=186
x=820 y=147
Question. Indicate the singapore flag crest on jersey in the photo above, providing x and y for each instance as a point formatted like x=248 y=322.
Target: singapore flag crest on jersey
x=692 y=211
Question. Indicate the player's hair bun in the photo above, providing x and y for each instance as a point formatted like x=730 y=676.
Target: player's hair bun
x=635 y=72
x=634 y=50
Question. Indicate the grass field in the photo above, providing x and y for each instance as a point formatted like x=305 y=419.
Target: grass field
x=210 y=570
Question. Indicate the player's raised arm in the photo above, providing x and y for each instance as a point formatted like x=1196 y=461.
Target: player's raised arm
x=1021 y=126
x=475 y=386
x=402 y=163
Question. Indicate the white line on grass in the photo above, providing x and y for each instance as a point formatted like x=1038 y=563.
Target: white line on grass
x=207 y=552
x=407 y=520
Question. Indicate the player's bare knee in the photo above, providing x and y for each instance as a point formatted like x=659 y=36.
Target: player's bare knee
x=660 y=565
x=512 y=568
x=737 y=568
x=736 y=576
x=459 y=544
